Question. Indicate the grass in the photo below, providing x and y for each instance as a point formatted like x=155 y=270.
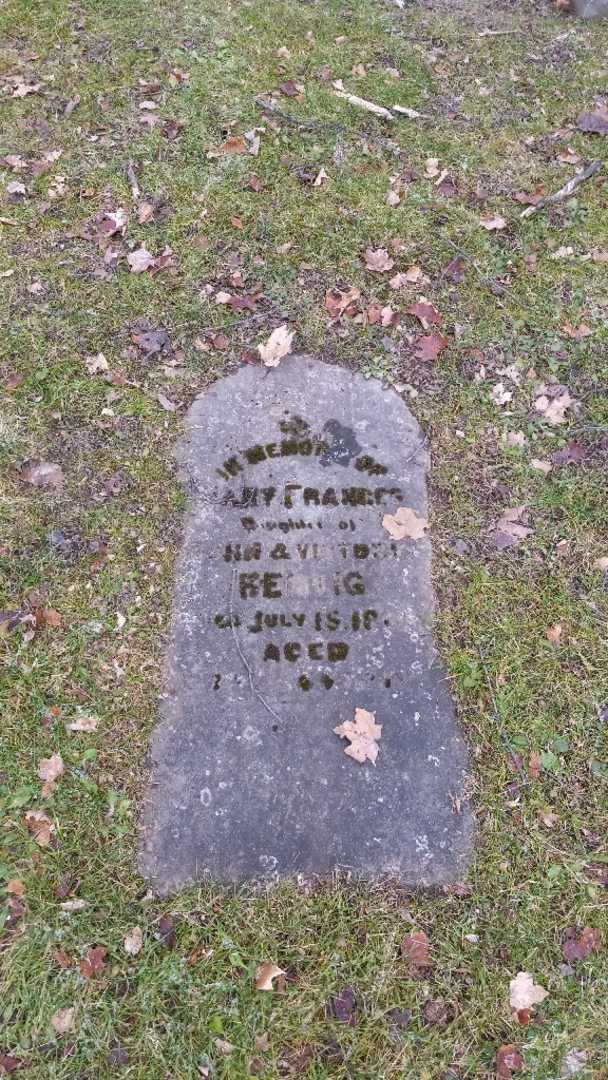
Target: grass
x=102 y=546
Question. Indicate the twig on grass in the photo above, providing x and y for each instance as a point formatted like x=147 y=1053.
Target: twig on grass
x=324 y=125
x=565 y=191
x=363 y=103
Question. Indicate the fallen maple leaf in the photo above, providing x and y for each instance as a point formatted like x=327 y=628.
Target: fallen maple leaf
x=416 y=948
x=509 y=530
x=579 y=948
x=114 y=222
x=43 y=474
x=265 y=975
x=94 y=962
x=379 y=260
x=343 y=1007
x=572 y=454
x=234 y=146
x=49 y=770
x=362 y=734
x=554 y=409
x=577 y=333
x=140 y=260
x=84 y=723
x=429 y=346
x=277 y=346
x=40 y=826
x=134 y=940
x=508 y=1061
x=338 y=303
x=492 y=224
x=425 y=312
x=405 y=524
x=554 y=633
x=455 y=270
x=524 y=993
x=63 y=1020
x=290 y=88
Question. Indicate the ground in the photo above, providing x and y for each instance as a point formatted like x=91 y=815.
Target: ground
x=87 y=548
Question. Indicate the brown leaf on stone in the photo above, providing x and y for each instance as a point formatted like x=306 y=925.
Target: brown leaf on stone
x=94 y=962
x=430 y=346
x=508 y=1061
x=363 y=734
x=379 y=261
x=405 y=524
x=343 y=1007
x=265 y=976
x=43 y=474
x=594 y=123
x=579 y=947
x=415 y=947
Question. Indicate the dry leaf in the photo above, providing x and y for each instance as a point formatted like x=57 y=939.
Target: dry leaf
x=339 y=303
x=379 y=261
x=554 y=633
x=554 y=409
x=601 y=564
x=429 y=347
x=277 y=346
x=140 y=260
x=96 y=364
x=508 y=1061
x=362 y=734
x=40 y=826
x=49 y=770
x=265 y=975
x=63 y=1020
x=524 y=993
x=84 y=723
x=72 y=906
x=580 y=947
x=432 y=168
x=509 y=530
x=15 y=887
x=515 y=439
x=43 y=474
x=577 y=333
x=94 y=962
x=320 y=178
x=234 y=146
x=134 y=940
x=425 y=312
x=500 y=395
x=416 y=948
x=541 y=466
x=492 y=224
x=405 y=524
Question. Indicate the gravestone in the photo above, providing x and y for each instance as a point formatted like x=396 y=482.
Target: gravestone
x=294 y=607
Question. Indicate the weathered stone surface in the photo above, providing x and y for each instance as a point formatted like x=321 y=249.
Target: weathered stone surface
x=293 y=607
